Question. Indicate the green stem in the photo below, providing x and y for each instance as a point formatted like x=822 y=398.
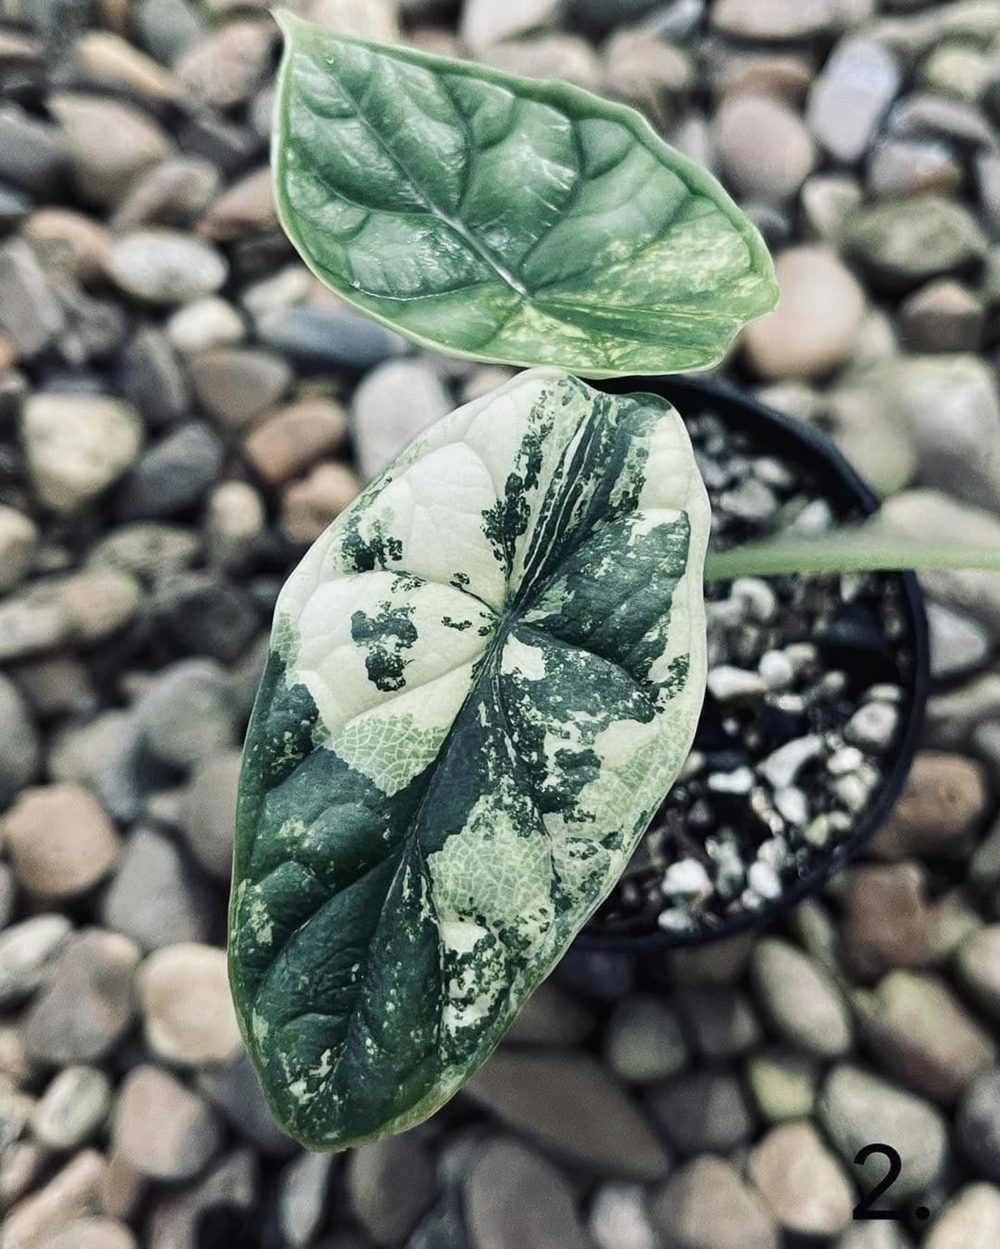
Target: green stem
x=775 y=559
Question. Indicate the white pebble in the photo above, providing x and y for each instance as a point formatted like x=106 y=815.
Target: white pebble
x=816 y=517
x=783 y=766
x=675 y=920
x=739 y=781
x=727 y=682
x=792 y=805
x=873 y=725
x=686 y=878
x=764 y=880
x=776 y=670
x=758 y=599
x=803 y=656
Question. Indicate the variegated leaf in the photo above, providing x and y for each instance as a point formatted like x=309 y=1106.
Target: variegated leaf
x=484 y=678
x=501 y=218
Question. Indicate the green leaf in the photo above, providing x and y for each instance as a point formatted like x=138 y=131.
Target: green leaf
x=484 y=679
x=874 y=546
x=504 y=219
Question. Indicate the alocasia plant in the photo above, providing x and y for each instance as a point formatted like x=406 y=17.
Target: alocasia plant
x=485 y=676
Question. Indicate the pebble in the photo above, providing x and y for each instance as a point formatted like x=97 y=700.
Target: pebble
x=86 y=1004
x=484 y=24
x=970 y=1220
x=235 y=519
x=187 y=1011
x=707 y=1205
x=26 y=952
x=172 y=476
x=75 y=610
x=71 y=1194
x=154 y=897
x=782 y=767
x=183 y=1218
x=106 y=56
x=105 y=171
x=851 y=96
x=514 y=1198
x=18 y=546
x=245 y=207
x=292 y=439
x=224 y=68
x=151 y=378
x=208 y=811
x=19 y=744
x=782 y=1084
x=391 y=1185
x=727 y=683
x=173 y=193
x=160 y=266
x=703 y=1111
x=772 y=19
x=77 y=446
x=91 y=1233
x=940 y=810
x=944 y=316
x=887 y=921
x=919 y=1031
x=302 y=1198
x=978 y=968
x=814 y=329
x=204 y=323
x=394 y=403
x=721 y=1021
x=201 y=613
x=236 y=1093
x=764 y=148
x=977 y=1125
x=856 y=1108
x=566 y=1101
x=644 y=1040
x=72 y=1109
x=959 y=645
x=186 y=713
x=161 y=1128
x=801 y=1001
x=319 y=337
x=802 y=1182
x=619 y=1218
x=237 y=385
x=60 y=839
x=904 y=243
x=873 y=726
x=30 y=314
x=310 y=505
x=31 y=152
x=650 y=74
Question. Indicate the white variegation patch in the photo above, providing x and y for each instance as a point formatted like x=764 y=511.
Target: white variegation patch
x=489 y=671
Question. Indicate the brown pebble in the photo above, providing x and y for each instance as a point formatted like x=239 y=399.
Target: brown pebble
x=940 y=809
x=93 y=1233
x=61 y=841
x=70 y=1195
x=308 y=506
x=290 y=441
x=161 y=1128
x=887 y=921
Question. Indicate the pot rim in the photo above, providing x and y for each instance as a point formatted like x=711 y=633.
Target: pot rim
x=819 y=454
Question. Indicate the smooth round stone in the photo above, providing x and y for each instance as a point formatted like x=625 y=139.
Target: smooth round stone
x=816 y=324
x=851 y=95
x=19 y=744
x=856 y=1108
x=764 y=148
x=703 y=1111
x=644 y=1041
x=234 y=518
x=161 y=1129
x=18 y=544
x=187 y=1010
x=187 y=713
x=970 y=1220
x=208 y=811
x=77 y=446
x=162 y=266
x=205 y=323
x=707 y=1205
x=25 y=951
x=291 y=440
x=310 y=505
x=237 y=385
x=155 y=897
x=104 y=168
x=802 y=1182
x=801 y=1000
x=61 y=840
x=772 y=19
x=172 y=476
x=390 y=1184
x=903 y=243
x=72 y=1108
x=978 y=968
x=783 y=1085
x=619 y=1218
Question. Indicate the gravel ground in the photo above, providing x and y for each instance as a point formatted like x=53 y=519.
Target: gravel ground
x=182 y=409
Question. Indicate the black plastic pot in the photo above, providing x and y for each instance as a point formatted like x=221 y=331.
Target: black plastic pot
x=848 y=494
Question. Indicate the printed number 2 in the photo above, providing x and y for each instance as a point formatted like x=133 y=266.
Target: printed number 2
x=863 y=1210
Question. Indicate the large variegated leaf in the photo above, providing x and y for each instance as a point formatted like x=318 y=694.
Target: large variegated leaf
x=506 y=219
x=484 y=678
